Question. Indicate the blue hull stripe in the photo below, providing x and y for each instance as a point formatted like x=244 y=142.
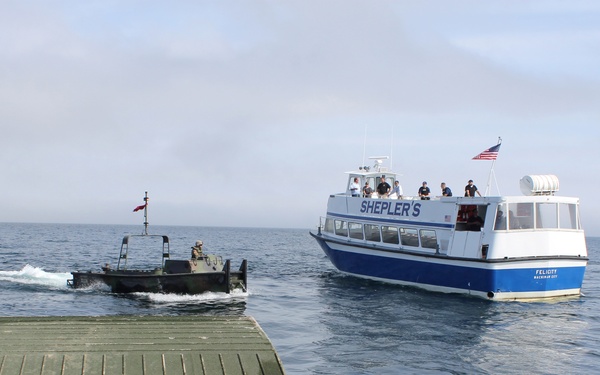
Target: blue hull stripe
x=388 y=221
x=538 y=279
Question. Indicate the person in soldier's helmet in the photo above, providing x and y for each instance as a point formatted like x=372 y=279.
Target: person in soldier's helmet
x=197 y=250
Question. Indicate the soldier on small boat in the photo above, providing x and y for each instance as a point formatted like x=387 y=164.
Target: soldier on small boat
x=197 y=250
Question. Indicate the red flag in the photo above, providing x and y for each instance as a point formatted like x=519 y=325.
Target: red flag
x=139 y=208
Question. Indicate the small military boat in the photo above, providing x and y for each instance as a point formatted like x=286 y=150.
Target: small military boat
x=201 y=273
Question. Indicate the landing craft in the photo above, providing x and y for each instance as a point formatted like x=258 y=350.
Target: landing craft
x=201 y=273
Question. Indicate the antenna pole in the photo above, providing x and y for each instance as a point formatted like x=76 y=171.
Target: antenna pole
x=364 y=146
x=392 y=151
x=146 y=214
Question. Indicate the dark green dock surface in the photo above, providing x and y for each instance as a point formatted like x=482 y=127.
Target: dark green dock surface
x=136 y=345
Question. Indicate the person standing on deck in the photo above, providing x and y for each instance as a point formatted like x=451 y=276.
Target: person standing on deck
x=446 y=192
x=383 y=189
x=471 y=189
x=355 y=188
x=367 y=190
x=397 y=189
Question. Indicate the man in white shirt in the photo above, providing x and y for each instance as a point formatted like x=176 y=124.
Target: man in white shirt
x=355 y=188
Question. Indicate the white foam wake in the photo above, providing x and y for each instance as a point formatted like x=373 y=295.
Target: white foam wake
x=36 y=276
x=167 y=298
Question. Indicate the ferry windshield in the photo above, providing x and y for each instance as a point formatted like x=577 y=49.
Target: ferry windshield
x=536 y=216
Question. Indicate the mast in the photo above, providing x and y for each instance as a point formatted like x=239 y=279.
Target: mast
x=146 y=214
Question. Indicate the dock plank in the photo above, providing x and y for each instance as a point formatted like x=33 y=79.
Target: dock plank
x=135 y=345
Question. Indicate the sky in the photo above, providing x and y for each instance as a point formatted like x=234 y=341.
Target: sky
x=248 y=113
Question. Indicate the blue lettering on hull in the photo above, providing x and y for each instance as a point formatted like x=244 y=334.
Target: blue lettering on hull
x=390 y=208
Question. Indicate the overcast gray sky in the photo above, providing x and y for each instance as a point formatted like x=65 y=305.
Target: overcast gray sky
x=247 y=113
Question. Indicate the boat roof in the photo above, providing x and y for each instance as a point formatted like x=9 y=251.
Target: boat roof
x=376 y=170
x=383 y=171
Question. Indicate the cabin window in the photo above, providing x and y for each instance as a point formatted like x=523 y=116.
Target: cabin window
x=356 y=230
x=341 y=228
x=328 y=226
x=409 y=237
x=390 y=234
x=500 y=223
x=372 y=233
x=466 y=217
x=546 y=215
x=568 y=216
x=464 y=212
x=520 y=215
x=428 y=239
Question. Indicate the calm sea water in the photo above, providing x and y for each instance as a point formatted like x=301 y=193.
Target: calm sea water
x=319 y=321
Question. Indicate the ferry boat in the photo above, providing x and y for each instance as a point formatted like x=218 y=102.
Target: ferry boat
x=199 y=274
x=527 y=247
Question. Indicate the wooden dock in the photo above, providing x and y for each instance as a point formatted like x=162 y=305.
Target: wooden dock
x=162 y=345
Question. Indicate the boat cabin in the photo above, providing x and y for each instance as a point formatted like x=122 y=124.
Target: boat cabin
x=457 y=226
x=372 y=175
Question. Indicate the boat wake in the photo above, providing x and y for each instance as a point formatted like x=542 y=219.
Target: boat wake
x=30 y=275
x=170 y=298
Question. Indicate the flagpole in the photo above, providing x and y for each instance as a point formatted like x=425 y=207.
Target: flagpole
x=145 y=214
x=489 y=182
x=492 y=173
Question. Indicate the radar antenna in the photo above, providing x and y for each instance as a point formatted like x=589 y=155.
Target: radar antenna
x=378 y=162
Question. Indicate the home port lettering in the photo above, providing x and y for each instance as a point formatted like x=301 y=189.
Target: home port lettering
x=383 y=207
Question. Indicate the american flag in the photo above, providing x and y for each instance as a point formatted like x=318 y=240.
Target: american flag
x=489 y=154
